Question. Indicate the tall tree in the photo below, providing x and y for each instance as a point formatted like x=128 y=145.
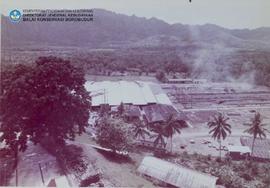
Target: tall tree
x=219 y=129
x=172 y=126
x=160 y=139
x=161 y=134
x=121 y=109
x=161 y=76
x=140 y=130
x=44 y=100
x=256 y=129
x=114 y=134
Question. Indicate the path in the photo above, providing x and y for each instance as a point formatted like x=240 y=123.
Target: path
x=118 y=174
x=28 y=167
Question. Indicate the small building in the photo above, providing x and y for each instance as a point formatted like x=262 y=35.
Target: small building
x=175 y=175
x=239 y=152
x=261 y=149
x=149 y=143
x=186 y=81
x=134 y=71
x=180 y=81
x=132 y=112
x=161 y=112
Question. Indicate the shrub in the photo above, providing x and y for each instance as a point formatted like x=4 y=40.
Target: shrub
x=69 y=157
x=7 y=165
x=196 y=155
x=72 y=159
x=90 y=180
x=209 y=157
x=247 y=176
x=266 y=180
x=218 y=159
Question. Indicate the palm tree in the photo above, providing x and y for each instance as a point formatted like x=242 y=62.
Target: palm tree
x=121 y=109
x=140 y=130
x=160 y=136
x=256 y=129
x=173 y=126
x=220 y=129
x=160 y=139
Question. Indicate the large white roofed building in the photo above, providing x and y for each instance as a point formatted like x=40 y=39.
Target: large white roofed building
x=145 y=100
x=127 y=92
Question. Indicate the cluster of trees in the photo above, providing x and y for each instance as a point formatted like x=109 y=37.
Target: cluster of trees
x=220 y=128
x=115 y=133
x=244 y=65
x=105 y=62
x=44 y=100
x=46 y=103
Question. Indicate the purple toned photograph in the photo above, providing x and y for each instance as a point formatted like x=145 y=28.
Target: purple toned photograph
x=121 y=93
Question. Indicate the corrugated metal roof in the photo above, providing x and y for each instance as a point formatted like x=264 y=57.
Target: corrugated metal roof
x=261 y=147
x=175 y=174
x=162 y=98
x=241 y=149
x=132 y=111
x=161 y=112
x=128 y=92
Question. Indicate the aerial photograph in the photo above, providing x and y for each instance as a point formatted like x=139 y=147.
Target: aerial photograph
x=146 y=93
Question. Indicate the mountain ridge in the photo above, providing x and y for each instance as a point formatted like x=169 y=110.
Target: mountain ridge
x=110 y=29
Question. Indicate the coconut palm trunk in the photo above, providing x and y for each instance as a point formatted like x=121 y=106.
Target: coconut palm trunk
x=219 y=129
x=16 y=164
x=256 y=130
x=219 y=149
x=253 y=144
x=171 y=144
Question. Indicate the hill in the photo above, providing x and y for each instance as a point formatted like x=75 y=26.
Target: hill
x=118 y=30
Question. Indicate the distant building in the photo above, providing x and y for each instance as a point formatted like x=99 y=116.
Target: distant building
x=170 y=174
x=239 y=152
x=133 y=71
x=117 y=73
x=186 y=81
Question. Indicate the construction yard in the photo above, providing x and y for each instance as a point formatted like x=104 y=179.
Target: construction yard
x=196 y=102
x=200 y=102
x=155 y=102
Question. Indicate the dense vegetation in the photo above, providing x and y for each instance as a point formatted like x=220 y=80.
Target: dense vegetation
x=190 y=61
x=42 y=100
x=231 y=174
x=114 y=134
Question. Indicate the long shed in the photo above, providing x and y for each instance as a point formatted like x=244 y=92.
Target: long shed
x=175 y=175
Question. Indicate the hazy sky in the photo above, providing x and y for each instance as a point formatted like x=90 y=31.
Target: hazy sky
x=226 y=13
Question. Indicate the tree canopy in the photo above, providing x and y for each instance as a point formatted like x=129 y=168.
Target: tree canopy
x=219 y=128
x=114 y=134
x=45 y=99
x=256 y=129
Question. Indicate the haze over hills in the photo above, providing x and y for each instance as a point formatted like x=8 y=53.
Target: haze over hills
x=202 y=51
x=110 y=29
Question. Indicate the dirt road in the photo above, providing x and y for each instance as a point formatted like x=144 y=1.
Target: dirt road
x=114 y=173
x=28 y=167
